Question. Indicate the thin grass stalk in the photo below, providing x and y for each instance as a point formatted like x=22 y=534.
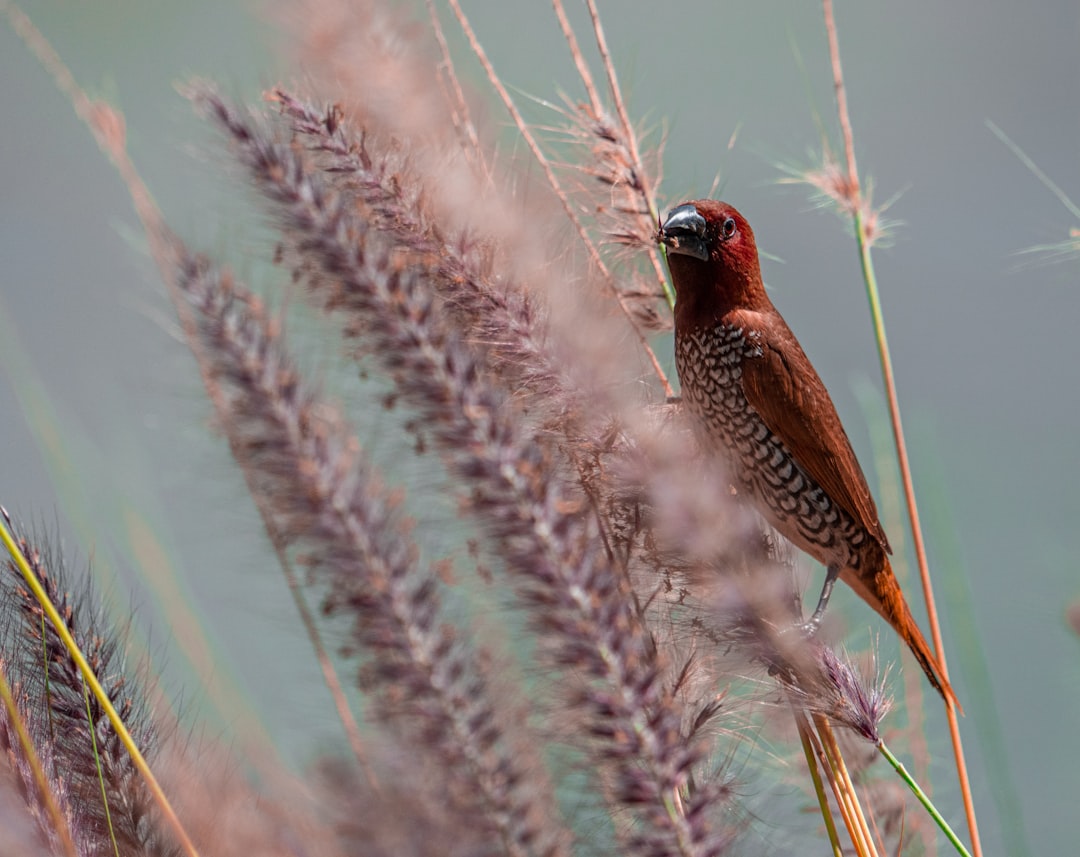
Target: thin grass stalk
x=459 y=107
x=162 y=801
x=846 y=799
x=1036 y=171
x=923 y=798
x=307 y=618
x=806 y=739
x=556 y=186
x=866 y=261
x=26 y=745
x=892 y=516
x=100 y=772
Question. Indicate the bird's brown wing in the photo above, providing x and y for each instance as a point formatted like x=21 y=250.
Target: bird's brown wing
x=782 y=386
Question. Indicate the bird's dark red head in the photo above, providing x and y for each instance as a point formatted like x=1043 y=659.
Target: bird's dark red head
x=713 y=259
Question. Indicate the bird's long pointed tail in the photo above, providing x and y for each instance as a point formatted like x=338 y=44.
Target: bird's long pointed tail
x=881 y=590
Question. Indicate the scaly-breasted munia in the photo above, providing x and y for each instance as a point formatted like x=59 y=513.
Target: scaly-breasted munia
x=755 y=399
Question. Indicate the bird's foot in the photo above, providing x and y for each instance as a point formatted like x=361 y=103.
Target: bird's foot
x=807 y=629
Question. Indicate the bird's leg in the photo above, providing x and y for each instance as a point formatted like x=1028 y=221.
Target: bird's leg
x=831 y=574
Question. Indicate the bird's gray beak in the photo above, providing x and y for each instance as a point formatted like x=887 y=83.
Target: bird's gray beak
x=684 y=232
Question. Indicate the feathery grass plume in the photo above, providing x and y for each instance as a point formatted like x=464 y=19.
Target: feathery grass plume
x=844 y=694
x=427 y=190
x=607 y=187
x=382 y=68
x=542 y=528
x=104 y=799
x=832 y=188
x=619 y=147
x=628 y=215
x=327 y=501
x=102 y=792
x=495 y=313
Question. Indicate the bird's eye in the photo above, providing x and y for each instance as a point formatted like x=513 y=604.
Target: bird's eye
x=727 y=228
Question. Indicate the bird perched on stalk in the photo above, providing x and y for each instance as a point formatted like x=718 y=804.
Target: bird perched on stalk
x=755 y=399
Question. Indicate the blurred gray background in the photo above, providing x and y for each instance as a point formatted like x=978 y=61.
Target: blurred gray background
x=103 y=430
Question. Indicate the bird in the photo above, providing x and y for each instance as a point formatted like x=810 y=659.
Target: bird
x=755 y=400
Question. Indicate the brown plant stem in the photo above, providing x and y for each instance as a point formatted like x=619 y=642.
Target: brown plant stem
x=894 y=413
x=459 y=107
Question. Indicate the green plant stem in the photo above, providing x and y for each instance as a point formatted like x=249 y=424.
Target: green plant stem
x=95 y=687
x=819 y=785
x=100 y=772
x=669 y=289
x=878 y=318
x=924 y=799
x=856 y=203
x=913 y=513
